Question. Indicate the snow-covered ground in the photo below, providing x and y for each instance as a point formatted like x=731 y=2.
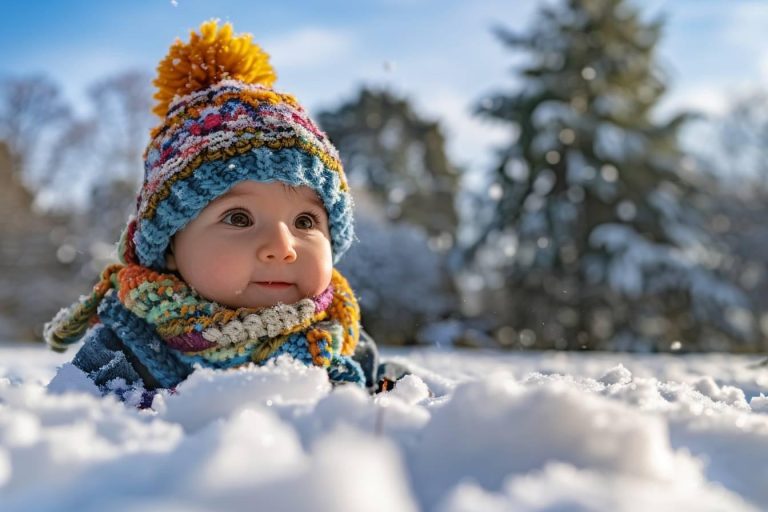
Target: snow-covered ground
x=469 y=431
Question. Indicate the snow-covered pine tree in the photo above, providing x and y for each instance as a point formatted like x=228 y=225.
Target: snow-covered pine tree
x=597 y=231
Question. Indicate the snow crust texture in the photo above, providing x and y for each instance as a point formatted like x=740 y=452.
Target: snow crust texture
x=468 y=431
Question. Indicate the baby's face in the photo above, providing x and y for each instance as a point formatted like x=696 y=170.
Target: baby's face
x=255 y=246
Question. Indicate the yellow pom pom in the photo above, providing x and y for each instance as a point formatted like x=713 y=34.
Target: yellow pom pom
x=209 y=57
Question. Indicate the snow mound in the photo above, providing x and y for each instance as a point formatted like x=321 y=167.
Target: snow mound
x=467 y=431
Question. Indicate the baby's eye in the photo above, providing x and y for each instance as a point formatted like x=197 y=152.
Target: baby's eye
x=238 y=219
x=305 y=221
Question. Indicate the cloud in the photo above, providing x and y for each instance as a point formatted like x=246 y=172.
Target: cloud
x=710 y=100
x=470 y=139
x=310 y=47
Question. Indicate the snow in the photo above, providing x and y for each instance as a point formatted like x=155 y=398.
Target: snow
x=468 y=431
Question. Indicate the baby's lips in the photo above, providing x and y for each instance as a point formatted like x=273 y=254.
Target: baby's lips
x=273 y=284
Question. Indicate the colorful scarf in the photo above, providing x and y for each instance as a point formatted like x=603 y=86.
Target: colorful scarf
x=203 y=331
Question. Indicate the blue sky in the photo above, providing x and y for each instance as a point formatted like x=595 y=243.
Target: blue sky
x=439 y=53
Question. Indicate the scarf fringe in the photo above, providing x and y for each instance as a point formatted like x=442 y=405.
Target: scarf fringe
x=69 y=324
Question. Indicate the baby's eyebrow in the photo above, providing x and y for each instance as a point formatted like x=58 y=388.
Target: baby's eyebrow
x=310 y=196
x=316 y=201
x=231 y=193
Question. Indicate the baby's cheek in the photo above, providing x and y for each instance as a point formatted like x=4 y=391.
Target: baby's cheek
x=317 y=285
x=226 y=266
x=317 y=275
x=217 y=269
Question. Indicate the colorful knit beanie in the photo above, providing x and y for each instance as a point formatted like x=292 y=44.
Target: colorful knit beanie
x=223 y=124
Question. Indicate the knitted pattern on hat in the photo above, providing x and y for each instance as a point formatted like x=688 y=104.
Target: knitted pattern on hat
x=218 y=129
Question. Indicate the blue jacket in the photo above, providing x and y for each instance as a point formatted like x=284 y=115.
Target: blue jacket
x=125 y=347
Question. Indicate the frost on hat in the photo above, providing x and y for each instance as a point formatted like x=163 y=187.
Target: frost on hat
x=222 y=123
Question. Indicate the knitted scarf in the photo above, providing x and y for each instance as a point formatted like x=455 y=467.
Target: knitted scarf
x=201 y=331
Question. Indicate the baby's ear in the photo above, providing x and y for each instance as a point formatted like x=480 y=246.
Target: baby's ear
x=170 y=258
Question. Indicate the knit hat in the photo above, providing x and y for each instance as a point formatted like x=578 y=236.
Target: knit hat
x=222 y=123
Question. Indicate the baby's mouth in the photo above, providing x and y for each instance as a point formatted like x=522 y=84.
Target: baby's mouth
x=276 y=285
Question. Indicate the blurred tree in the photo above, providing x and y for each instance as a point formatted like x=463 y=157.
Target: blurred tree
x=401 y=283
x=399 y=158
x=103 y=153
x=35 y=259
x=123 y=104
x=744 y=136
x=71 y=161
x=739 y=221
x=86 y=169
x=597 y=239
x=738 y=158
x=108 y=145
x=119 y=134
x=405 y=188
x=31 y=108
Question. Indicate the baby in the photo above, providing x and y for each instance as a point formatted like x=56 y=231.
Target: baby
x=243 y=212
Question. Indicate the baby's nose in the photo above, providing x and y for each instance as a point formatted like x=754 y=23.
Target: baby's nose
x=277 y=245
